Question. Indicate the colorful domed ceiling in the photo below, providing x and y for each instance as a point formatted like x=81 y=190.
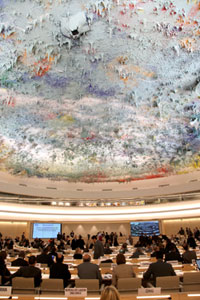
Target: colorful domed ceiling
x=99 y=91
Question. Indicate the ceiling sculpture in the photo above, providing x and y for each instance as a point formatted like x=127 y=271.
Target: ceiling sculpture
x=99 y=91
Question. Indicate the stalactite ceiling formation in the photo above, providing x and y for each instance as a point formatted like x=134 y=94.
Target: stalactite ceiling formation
x=96 y=91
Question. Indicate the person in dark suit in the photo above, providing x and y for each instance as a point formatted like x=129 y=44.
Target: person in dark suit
x=4 y=272
x=191 y=241
x=158 y=269
x=20 y=261
x=74 y=243
x=181 y=231
x=78 y=254
x=107 y=249
x=59 y=236
x=60 y=270
x=45 y=258
x=188 y=255
x=80 y=243
x=98 y=247
x=87 y=270
x=173 y=254
x=30 y=271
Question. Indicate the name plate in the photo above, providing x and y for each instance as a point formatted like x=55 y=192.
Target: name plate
x=5 y=290
x=149 y=291
x=145 y=263
x=76 y=292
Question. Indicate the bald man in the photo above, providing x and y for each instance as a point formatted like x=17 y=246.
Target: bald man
x=60 y=270
x=87 y=270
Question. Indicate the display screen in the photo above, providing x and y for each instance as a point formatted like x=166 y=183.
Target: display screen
x=46 y=230
x=145 y=228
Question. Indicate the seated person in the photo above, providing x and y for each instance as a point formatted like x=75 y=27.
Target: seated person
x=121 y=270
x=86 y=249
x=20 y=261
x=3 y=254
x=53 y=252
x=60 y=270
x=191 y=241
x=188 y=255
x=87 y=270
x=156 y=248
x=4 y=272
x=45 y=258
x=158 y=269
x=30 y=271
x=78 y=254
x=149 y=248
x=107 y=249
x=173 y=254
x=123 y=248
x=137 y=253
x=110 y=293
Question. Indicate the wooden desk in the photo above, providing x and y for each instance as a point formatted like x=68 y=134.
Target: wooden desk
x=174 y=296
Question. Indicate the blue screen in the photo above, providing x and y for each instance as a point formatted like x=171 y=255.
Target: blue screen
x=46 y=230
x=147 y=228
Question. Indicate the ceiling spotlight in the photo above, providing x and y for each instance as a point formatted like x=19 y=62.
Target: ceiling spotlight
x=60 y=203
x=53 y=203
x=67 y=204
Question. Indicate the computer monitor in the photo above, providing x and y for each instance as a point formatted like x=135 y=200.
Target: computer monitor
x=146 y=227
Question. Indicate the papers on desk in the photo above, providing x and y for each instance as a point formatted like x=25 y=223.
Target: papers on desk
x=175 y=263
x=145 y=263
x=13 y=268
x=172 y=262
x=179 y=272
x=141 y=257
x=140 y=275
x=127 y=254
x=74 y=276
x=143 y=268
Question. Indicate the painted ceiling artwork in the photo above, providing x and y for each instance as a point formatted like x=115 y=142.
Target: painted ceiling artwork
x=98 y=91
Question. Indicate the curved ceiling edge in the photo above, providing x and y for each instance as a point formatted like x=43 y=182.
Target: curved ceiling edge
x=163 y=211
x=60 y=189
